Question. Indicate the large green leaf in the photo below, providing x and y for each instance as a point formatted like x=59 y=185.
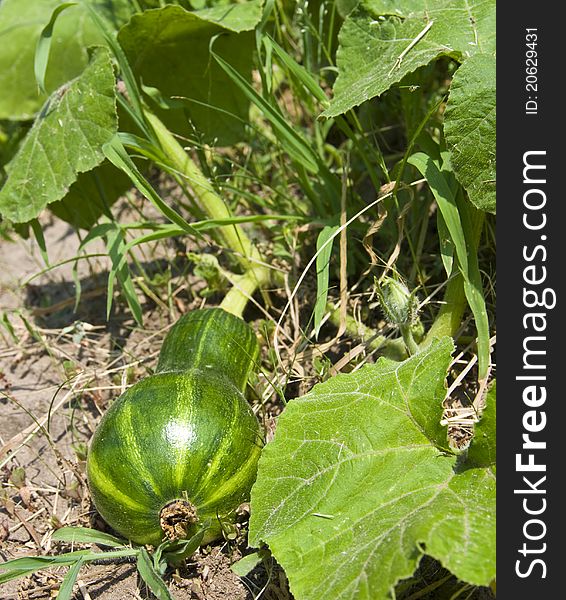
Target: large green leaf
x=91 y=196
x=235 y=17
x=345 y=7
x=21 y=22
x=168 y=49
x=384 y=40
x=470 y=129
x=353 y=489
x=65 y=140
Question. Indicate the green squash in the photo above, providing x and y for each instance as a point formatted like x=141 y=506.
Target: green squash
x=180 y=448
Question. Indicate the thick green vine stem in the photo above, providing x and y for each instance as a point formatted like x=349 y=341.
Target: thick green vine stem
x=233 y=237
x=449 y=317
x=243 y=288
x=412 y=347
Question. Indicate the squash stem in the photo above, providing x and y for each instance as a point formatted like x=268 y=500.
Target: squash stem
x=243 y=288
x=449 y=317
x=408 y=338
x=233 y=237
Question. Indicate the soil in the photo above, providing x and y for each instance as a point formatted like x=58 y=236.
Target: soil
x=58 y=371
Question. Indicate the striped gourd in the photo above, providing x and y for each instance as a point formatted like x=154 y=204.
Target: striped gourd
x=180 y=448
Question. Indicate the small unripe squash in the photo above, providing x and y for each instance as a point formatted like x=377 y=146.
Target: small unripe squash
x=179 y=449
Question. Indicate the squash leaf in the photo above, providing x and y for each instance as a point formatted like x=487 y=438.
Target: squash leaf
x=21 y=23
x=345 y=7
x=354 y=489
x=469 y=128
x=65 y=140
x=382 y=41
x=91 y=196
x=194 y=85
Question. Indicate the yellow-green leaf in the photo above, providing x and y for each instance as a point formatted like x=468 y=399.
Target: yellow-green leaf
x=65 y=140
x=354 y=487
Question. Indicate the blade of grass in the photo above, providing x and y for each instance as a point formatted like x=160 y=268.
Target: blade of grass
x=43 y=47
x=409 y=150
x=266 y=70
x=151 y=577
x=294 y=144
x=291 y=141
x=162 y=231
x=5 y=321
x=206 y=224
x=137 y=119
x=324 y=252
x=21 y=567
x=446 y=245
x=458 y=221
x=85 y=535
x=120 y=271
x=40 y=239
x=14 y=574
x=98 y=231
x=117 y=155
x=446 y=203
x=130 y=81
x=35 y=563
x=35 y=334
x=143 y=146
x=113 y=236
x=66 y=588
x=61 y=263
x=78 y=285
x=472 y=221
x=300 y=73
